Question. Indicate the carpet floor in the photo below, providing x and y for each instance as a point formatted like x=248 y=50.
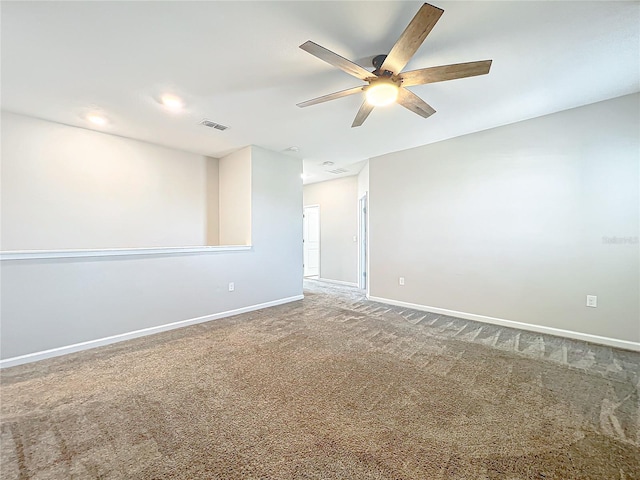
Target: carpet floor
x=330 y=387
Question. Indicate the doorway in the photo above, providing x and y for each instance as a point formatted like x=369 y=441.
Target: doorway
x=362 y=254
x=311 y=240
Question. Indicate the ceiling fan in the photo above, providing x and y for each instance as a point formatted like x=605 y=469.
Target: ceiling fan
x=387 y=83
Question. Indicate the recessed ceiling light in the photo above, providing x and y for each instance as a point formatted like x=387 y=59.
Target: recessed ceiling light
x=97 y=119
x=172 y=102
x=328 y=163
x=292 y=149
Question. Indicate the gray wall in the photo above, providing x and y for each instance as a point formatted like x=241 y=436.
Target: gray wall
x=67 y=188
x=363 y=180
x=213 y=201
x=235 y=198
x=338 y=200
x=52 y=303
x=510 y=222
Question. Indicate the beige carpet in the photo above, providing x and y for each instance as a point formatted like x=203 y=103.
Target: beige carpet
x=321 y=389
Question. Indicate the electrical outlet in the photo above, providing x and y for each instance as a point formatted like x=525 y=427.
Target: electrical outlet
x=401 y=280
x=232 y=286
x=592 y=301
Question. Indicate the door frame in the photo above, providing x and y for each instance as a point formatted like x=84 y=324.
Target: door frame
x=363 y=242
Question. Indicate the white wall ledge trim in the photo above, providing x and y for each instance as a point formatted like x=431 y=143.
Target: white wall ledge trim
x=585 y=337
x=78 y=347
x=117 y=252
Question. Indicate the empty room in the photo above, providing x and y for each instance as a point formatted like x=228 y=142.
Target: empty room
x=320 y=240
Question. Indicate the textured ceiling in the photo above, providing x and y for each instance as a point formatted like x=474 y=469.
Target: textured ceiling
x=238 y=64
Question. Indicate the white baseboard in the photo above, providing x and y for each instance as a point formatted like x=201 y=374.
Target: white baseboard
x=338 y=282
x=587 y=337
x=77 y=347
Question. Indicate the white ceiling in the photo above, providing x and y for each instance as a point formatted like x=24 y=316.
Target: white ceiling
x=238 y=63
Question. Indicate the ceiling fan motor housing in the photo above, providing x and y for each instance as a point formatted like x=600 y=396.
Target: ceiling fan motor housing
x=377 y=62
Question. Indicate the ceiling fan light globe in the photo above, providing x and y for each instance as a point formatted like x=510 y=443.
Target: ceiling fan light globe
x=382 y=94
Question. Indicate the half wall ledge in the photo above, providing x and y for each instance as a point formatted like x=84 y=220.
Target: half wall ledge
x=118 y=252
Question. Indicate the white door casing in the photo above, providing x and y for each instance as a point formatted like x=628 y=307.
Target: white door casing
x=362 y=246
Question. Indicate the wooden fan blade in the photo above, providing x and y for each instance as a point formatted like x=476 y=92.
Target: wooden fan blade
x=363 y=113
x=331 y=96
x=445 y=72
x=411 y=101
x=412 y=38
x=336 y=60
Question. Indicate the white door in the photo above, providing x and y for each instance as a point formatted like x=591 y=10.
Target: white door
x=311 y=238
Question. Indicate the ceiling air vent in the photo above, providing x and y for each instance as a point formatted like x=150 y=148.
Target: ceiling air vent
x=338 y=171
x=210 y=124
